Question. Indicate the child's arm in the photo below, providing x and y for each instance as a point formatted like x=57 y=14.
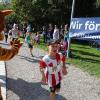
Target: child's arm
x=42 y=66
x=63 y=60
x=64 y=68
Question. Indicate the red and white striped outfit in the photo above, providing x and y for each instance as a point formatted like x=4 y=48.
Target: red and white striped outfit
x=53 y=69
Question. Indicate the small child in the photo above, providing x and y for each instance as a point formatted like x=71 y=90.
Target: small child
x=52 y=68
x=29 y=42
x=37 y=37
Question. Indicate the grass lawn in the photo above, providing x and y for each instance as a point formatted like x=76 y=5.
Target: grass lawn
x=84 y=57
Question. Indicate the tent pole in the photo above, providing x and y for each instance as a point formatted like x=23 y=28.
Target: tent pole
x=72 y=15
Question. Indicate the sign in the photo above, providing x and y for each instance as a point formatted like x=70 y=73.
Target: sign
x=85 y=28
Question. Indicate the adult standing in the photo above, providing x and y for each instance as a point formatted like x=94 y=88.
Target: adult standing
x=28 y=28
x=6 y=34
x=24 y=30
x=15 y=32
x=56 y=33
x=44 y=32
x=61 y=32
x=66 y=37
x=50 y=32
x=65 y=29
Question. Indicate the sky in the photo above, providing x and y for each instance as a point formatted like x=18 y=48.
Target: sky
x=4 y=0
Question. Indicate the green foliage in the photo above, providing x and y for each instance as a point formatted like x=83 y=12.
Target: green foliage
x=98 y=3
x=85 y=8
x=22 y=9
x=30 y=10
x=39 y=11
x=3 y=6
x=11 y=18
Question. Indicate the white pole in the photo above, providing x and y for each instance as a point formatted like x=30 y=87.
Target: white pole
x=72 y=13
x=73 y=6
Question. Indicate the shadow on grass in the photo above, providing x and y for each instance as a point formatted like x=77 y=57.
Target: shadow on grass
x=79 y=46
x=86 y=59
x=85 y=53
x=28 y=90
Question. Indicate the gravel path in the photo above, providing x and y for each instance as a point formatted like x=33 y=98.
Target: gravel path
x=23 y=80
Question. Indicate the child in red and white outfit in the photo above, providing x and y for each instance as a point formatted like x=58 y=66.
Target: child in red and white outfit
x=53 y=68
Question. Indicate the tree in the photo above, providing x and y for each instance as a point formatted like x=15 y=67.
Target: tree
x=85 y=8
x=11 y=18
x=98 y=3
x=31 y=10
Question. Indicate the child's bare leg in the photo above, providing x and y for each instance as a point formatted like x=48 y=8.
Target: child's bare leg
x=57 y=90
x=31 y=51
x=52 y=96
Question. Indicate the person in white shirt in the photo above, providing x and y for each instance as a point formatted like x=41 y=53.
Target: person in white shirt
x=15 y=32
x=28 y=28
x=56 y=33
x=6 y=34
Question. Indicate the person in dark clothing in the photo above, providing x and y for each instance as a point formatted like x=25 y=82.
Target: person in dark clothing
x=44 y=32
x=50 y=31
x=6 y=34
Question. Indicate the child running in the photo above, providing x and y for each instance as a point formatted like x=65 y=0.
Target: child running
x=53 y=67
x=29 y=41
